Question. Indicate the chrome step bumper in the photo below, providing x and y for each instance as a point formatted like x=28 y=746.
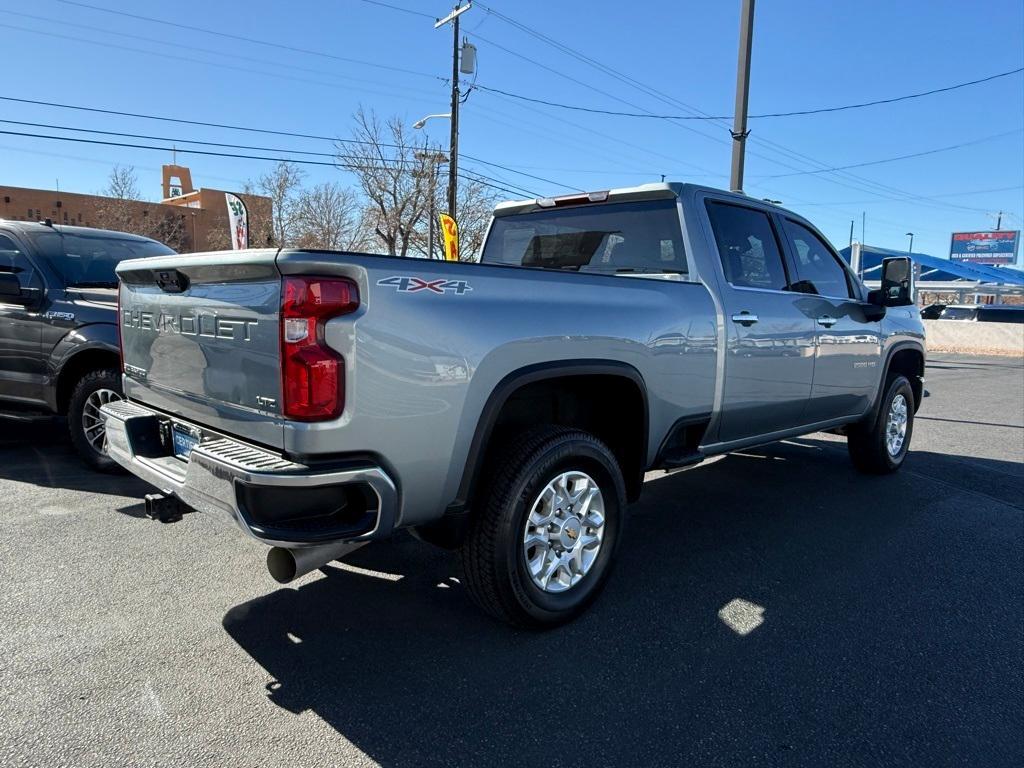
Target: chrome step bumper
x=221 y=472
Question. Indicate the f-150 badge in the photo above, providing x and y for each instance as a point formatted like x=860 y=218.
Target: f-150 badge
x=404 y=284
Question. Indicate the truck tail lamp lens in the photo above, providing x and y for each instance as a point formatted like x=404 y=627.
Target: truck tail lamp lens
x=312 y=374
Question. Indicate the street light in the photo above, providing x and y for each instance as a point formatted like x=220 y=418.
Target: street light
x=423 y=120
x=910 y=248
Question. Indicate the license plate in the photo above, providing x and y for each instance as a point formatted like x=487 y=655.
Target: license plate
x=184 y=440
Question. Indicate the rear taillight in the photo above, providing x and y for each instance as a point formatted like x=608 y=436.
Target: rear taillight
x=312 y=374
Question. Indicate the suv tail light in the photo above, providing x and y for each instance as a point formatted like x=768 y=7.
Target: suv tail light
x=120 y=332
x=312 y=374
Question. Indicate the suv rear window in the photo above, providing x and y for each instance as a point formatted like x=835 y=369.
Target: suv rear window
x=90 y=260
x=610 y=238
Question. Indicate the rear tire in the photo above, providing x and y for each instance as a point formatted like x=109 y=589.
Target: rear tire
x=87 y=433
x=543 y=537
x=880 y=446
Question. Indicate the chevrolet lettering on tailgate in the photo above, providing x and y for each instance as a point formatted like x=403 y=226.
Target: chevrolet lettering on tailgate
x=207 y=325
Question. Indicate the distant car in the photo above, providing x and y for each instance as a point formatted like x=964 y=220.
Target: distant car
x=985 y=313
x=932 y=311
x=59 y=352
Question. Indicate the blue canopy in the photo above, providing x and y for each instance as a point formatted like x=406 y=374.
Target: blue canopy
x=934 y=269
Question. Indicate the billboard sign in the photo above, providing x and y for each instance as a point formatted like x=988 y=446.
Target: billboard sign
x=984 y=247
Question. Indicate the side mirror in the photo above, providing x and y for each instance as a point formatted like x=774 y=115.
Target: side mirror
x=11 y=291
x=9 y=285
x=897 y=282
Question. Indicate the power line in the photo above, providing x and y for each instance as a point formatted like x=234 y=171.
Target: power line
x=202 y=143
x=181 y=46
x=200 y=62
x=250 y=129
x=403 y=10
x=898 y=157
x=929 y=197
x=242 y=38
x=477 y=176
x=859 y=181
x=818 y=111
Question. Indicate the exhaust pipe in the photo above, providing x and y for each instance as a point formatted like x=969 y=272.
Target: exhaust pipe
x=286 y=565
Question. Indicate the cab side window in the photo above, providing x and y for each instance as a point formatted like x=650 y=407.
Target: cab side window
x=12 y=260
x=818 y=268
x=748 y=246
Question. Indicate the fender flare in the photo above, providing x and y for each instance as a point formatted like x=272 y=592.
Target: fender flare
x=95 y=337
x=529 y=375
x=897 y=347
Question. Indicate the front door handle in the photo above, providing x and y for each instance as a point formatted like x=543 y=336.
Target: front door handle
x=827 y=321
x=745 y=319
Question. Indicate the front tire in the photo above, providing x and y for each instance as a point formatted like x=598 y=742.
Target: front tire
x=542 y=540
x=88 y=433
x=879 y=447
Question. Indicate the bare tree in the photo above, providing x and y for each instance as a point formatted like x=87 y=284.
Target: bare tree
x=118 y=204
x=395 y=180
x=122 y=183
x=475 y=204
x=170 y=230
x=281 y=185
x=218 y=236
x=329 y=216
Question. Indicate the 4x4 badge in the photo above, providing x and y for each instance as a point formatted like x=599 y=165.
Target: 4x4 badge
x=405 y=284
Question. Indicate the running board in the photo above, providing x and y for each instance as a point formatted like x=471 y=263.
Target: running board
x=678 y=459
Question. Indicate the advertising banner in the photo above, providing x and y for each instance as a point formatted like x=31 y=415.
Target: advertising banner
x=985 y=247
x=238 y=222
x=450 y=232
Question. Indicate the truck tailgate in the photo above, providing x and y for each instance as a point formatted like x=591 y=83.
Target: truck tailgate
x=200 y=338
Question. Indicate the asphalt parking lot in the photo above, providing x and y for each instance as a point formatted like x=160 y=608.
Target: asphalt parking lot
x=769 y=608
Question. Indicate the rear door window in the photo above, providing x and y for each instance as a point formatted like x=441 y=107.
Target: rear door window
x=818 y=268
x=633 y=237
x=748 y=246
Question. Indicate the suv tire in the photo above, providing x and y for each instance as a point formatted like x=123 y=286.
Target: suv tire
x=542 y=540
x=880 y=446
x=91 y=391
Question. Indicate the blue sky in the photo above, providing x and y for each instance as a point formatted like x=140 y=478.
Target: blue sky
x=807 y=54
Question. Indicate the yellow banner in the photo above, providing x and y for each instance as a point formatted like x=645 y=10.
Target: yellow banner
x=450 y=233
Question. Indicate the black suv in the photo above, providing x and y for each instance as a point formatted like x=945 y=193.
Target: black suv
x=59 y=351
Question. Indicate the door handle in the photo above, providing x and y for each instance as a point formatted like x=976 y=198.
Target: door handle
x=746 y=319
x=827 y=321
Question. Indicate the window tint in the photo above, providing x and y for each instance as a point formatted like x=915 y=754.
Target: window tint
x=610 y=237
x=748 y=246
x=87 y=260
x=818 y=270
x=13 y=260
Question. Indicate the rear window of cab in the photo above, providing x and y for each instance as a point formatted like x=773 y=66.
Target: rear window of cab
x=637 y=237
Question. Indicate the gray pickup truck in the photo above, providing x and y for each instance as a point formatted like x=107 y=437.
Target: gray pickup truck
x=508 y=408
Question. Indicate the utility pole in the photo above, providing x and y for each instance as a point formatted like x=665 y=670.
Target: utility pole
x=851 y=233
x=434 y=158
x=453 y=161
x=739 y=126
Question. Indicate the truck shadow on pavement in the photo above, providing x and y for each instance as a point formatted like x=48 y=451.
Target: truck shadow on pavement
x=40 y=452
x=770 y=607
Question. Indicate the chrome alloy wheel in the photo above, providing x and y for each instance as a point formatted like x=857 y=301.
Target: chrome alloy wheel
x=896 y=425
x=92 y=422
x=564 y=530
